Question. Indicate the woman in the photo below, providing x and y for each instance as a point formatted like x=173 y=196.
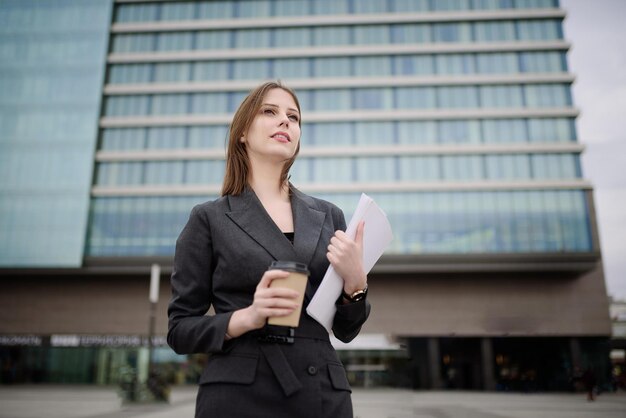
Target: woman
x=222 y=259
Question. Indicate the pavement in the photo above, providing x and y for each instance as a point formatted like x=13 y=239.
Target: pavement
x=66 y=401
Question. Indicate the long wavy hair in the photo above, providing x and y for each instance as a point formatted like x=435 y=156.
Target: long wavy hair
x=237 y=162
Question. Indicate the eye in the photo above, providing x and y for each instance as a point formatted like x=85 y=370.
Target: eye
x=268 y=111
x=294 y=118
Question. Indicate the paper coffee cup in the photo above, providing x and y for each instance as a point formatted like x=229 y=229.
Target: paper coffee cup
x=297 y=280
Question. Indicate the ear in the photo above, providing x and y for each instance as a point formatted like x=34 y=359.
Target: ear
x=242 y=139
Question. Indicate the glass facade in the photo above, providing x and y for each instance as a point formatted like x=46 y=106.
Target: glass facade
x=52 y=61
x=222 y=9
x=435 y=97
x=327 y=67
x=380 y=34
x=434 y=157
x=423 y=222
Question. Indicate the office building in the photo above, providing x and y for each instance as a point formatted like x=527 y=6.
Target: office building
x=456 y=116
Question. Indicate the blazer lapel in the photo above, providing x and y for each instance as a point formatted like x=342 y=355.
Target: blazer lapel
x=308 y=223
x=250 y=215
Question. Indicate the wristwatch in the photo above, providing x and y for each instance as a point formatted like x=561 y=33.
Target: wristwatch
x=355 y=296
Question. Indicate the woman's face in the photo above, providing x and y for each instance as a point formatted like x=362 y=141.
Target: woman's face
x=275 y=132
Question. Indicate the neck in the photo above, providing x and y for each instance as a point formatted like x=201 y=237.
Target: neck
x=265 y=180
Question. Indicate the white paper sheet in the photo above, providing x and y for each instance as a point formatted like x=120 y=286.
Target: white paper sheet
x=376 y=237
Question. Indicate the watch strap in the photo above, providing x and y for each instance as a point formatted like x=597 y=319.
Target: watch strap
x=355 y=296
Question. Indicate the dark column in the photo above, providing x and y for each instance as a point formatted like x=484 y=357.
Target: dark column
x=417 y=364
x=486 y=350
x=574 y=347
x=434 y=363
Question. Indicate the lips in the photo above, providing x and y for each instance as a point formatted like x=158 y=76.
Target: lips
x=281 y=137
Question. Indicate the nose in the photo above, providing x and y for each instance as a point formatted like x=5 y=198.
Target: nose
x=284 y=120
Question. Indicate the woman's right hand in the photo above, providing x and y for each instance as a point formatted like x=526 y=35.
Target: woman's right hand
x=267 y=302
x=275 y=301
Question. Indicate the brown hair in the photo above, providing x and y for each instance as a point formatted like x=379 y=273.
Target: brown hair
x=237 y=161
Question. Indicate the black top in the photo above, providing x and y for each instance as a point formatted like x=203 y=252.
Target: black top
x=289 y=236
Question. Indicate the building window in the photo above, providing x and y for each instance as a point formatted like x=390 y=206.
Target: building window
x=332 y=67
x=122 y=139
x=374 y=133
x=210 y=71
x=252 y=38
x=457 y=97
x=204 y=172
x=410 y=33
x=336 y=99
x=371 y=34
x=331 y=35
x=542 y=62
x=504 y=130
x=497 y=63
x=292 y=68
x=416 y=98
x=177 y=11
x=552 y=130
x=215 y=39
x=539 y=30
x=459 y=131
x=132 y=43
x=331 y=134
x=494 y=31
x=215 y=9
x=417 y=132
x=290 y=37
x=548 y=95
x=166 y=138
x=130 y=73
x=253 y=8
x=414 y=64
x=169 y=104
x=376 y=169
x=330 y=7
x=375 y=98
x=452 y=32
x=408 y=5
x=332 y=170
x=208 y=137
x=507 y=167
x=372 y=66
x=419 y=168
x=174 y=41
x=209 y=103
x=501 y=96
x=450 y=5
x=136 y=13
x=251 y=69
x=171 y=72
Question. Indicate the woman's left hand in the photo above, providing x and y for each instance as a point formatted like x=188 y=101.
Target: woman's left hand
x=346 y=257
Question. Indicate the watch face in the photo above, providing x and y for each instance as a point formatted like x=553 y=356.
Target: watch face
x=358 y=297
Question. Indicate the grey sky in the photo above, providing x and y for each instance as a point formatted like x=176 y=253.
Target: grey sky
x=597 y=31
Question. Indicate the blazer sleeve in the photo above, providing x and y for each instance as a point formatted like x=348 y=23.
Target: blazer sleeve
x=190 y=330
x=350 y=317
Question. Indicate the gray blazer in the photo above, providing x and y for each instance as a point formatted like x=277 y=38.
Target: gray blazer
x=220 y=257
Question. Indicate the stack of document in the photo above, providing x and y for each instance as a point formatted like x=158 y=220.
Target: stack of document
x=376 y=238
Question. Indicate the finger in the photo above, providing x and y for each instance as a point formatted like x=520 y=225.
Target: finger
x=276 y=312
x=282 y=303
x=270 y=275
x=359 y=233
x=340 y=242
x=341 y=235
x=280 y=292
